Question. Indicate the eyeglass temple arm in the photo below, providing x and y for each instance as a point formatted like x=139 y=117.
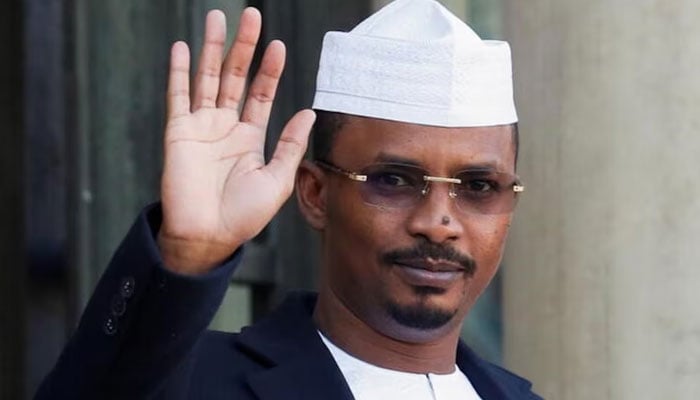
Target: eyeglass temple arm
x=517 y=188
x=352 y=175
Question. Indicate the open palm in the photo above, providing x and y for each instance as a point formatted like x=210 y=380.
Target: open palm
x=217 y=191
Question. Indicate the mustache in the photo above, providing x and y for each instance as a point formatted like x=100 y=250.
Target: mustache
x=425 y=249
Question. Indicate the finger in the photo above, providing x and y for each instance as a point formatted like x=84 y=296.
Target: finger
x=262 y=91
x=237 y=63
x=291 y=148
x=206 y=85
x=178 y=94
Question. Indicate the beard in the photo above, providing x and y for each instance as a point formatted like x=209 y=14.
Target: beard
x=420 y=316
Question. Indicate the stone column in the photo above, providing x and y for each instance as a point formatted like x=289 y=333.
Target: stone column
x=603 y=283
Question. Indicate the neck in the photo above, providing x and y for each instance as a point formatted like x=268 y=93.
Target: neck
x=342 y=327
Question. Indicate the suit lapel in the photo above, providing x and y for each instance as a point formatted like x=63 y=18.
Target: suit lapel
x=301 y=379
x=299 y=366
x=490 y=381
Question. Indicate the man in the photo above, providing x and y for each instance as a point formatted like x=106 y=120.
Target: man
x=412 y=191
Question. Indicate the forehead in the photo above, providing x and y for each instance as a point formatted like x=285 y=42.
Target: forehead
x=361 y=141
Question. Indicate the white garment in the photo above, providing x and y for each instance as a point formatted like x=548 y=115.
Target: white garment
x=369 y=382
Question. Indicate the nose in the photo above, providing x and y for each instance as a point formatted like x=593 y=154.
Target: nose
x=428 y=218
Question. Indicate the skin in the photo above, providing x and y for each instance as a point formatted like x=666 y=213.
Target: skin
x=217 y=192
x=355 y=284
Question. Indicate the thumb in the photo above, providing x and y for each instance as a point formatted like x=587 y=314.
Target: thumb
x=291 y=148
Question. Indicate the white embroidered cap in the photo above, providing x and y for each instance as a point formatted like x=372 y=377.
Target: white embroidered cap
x=414 y=61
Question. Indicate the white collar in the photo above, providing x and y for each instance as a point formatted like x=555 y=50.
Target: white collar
x=368 y=381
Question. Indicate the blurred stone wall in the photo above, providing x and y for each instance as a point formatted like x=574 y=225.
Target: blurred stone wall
x=601 y=287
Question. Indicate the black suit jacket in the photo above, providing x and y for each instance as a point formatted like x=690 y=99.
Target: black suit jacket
x=143 y=335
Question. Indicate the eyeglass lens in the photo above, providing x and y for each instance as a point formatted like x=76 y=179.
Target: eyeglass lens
x=402 y=186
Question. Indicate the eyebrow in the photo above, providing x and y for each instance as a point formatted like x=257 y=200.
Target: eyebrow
x=484 y=166
x=395 y=159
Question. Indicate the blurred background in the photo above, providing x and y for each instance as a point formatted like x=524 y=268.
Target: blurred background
x=599 y=294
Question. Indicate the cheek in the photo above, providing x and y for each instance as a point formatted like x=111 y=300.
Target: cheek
x=353 y=239
x=348 y=223
x=488 y=237
x=488 y=242
x=352 y=223
x=357 y=235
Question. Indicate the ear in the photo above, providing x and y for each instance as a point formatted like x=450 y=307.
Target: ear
x=311 y=194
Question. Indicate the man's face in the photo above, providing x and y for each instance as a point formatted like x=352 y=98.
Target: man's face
x=404 y=271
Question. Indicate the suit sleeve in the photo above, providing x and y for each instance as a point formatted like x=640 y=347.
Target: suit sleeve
x=140 y=325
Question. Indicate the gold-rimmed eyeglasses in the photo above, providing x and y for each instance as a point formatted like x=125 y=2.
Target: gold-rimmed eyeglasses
x=393 y=185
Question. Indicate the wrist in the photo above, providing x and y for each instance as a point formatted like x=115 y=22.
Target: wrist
x=192 y=257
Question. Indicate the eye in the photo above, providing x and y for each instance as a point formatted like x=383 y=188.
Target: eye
x=392 y=178
x=481 y=185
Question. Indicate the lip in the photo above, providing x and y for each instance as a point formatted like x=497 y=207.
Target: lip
x=429 y=272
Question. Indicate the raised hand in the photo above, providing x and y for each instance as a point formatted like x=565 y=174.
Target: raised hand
x=216 y=190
